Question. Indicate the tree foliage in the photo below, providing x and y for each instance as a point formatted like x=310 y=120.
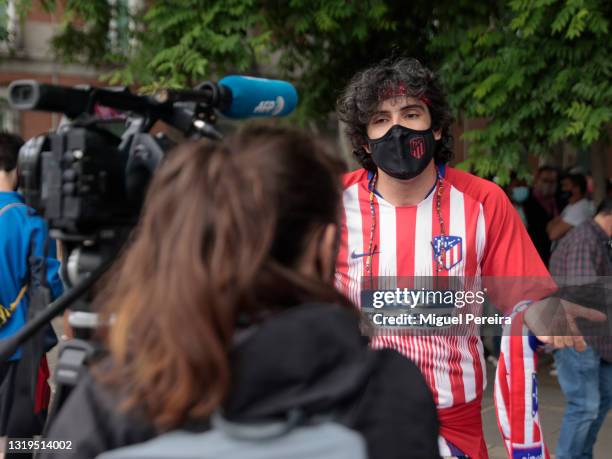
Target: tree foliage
x=318 y=44
x=537 y=70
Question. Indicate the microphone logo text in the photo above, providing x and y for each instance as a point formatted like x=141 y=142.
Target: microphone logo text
x=273 y=107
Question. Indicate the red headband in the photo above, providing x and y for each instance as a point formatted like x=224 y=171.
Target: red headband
x=400 y=90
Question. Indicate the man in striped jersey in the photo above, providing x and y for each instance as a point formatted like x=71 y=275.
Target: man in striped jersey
x=407 y=215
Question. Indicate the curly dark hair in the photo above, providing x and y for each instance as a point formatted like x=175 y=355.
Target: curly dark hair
x=369 y=87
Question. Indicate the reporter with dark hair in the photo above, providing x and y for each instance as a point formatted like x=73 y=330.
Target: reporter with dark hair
x=224 y=302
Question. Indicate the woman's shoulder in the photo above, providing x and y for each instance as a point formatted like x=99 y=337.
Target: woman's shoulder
x=397 y=404
x=93 y=421
x=397 y=372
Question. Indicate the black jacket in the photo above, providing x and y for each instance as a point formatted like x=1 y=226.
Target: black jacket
x=311 y=357
x=537 y=219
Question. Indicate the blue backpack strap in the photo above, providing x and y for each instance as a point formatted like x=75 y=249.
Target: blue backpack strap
x=11 y=206
x=7 y=311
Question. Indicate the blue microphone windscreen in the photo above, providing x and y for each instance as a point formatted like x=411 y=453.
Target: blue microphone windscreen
x=253 y=97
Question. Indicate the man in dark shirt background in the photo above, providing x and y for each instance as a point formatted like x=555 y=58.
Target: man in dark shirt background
x=582 y=264
x=540 y=208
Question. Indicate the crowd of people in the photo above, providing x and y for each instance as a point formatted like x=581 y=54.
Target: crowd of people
x=573 y=238
x=235 y=309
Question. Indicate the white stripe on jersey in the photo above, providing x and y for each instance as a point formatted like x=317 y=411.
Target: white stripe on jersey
x=387 y=257
x=456 y=227
x=467 y=366
x=350 y=199
x=423 y=251
x=443 y=447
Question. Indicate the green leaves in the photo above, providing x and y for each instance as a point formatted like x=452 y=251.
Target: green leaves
x=539 y=71
x=318 y=44
x=577 y=16
x=587 y=121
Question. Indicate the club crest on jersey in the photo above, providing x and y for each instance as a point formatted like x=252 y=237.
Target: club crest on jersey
x=447 y=250
x=417 y=147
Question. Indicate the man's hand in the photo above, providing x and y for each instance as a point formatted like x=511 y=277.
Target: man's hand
x=553 y=321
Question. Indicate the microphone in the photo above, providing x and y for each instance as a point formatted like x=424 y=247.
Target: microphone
x=234 y=96
x=256 y=97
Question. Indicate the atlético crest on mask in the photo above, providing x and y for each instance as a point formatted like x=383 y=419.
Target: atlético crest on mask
x=447 y=250
x=417 y=147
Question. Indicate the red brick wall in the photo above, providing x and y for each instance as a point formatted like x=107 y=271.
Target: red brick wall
x=38 y=13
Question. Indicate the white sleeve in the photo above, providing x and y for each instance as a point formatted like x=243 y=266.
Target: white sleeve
x=578 y=213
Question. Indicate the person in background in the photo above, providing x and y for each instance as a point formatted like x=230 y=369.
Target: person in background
x=409 y=216
x=518 y=192
x=540 y=208
x=583 y=256
x=224 y=303
x=24 y=392
x=578 y=210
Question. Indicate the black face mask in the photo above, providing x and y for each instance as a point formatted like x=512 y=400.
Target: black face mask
x=403 y=153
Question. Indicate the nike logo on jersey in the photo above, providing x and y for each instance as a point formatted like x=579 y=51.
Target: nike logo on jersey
x=355 y=255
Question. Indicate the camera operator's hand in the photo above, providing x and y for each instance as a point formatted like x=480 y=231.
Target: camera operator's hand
x=553 y=321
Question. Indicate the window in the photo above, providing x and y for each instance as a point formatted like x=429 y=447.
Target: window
x=9 y=26
x=9 y=118
x=122 y=25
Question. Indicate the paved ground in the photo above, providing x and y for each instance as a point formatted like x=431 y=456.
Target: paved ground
x=551 y=408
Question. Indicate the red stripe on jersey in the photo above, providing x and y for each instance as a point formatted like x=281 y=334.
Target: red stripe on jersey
x=456 y=375
x=472 y=209
x=537 y=435
x=356 y=176
x=427 y=354
x=342 y=277
x=405 y=218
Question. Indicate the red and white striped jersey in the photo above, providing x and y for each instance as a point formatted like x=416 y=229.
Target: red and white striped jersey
x=516 y=394
x=484 y=236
